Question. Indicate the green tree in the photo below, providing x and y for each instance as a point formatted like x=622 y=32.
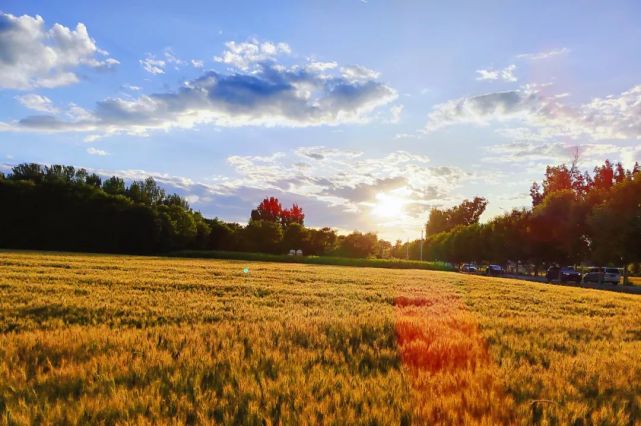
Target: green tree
x=114 y=186
x=57 y=173
x=146 y=192
x=223 y=236
x=506 y=237
x=358 y=244
x=263 y=236
x=176 y=200
x=178 y=226
x=94 y=180
x=615 y=225
x=466 y=213
x=28 y=171
x=557 y=228
x=321 y=241
x=296 y=237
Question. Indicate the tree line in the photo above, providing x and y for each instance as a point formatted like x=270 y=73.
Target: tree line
x=64 y=208
x=575 y=217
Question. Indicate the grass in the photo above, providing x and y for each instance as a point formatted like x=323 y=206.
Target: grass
x=121 y=339
x=315 y=260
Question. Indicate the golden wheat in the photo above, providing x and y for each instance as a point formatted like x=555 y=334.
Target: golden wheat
x=121 y=339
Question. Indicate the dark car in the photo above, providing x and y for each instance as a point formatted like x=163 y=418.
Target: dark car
x=552 y=273
x=494 y=270
x=468 y=267
x=564 y=274
x=569 y=274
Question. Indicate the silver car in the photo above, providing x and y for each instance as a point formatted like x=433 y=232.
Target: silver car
x=602 y=275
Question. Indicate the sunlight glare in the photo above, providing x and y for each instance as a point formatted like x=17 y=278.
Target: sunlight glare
x=388 y=205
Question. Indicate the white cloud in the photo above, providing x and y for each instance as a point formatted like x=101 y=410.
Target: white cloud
x=158 y=65
x=395 y=113
x=37 y=103
x=359 y=73
x=94 y=151
x=415 y=135
x=505 y=74
x=132 y=87
x=485 y=108
x=171 y=58
x=269 y=95
x=33 y=56
x=153 y=65
x=525 y=151
x=248 y=54
x=316 y=66
x=540 y=154
x=197 y=63
x=322 y=152
x=91 y=138
x=337 y=188
x=192 y=199
x=535 y=56
x=545 y=116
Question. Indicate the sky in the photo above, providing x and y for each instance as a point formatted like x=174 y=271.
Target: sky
x=366 y=113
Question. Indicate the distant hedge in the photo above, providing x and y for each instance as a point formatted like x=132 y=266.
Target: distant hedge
x=315 y=260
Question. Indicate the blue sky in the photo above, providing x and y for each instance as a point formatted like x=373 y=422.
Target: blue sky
x=367 y=114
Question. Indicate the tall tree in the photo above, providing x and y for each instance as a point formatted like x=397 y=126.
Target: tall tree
x=94 y=180
x=556 y=227
x=358 y=244
x=269 y=209
x=615 y=225
x=263 y=236
x=293 y=215
x=114 y=186
x=321 y=241
x=295 y=237
x=28 y=171
x=466 y=213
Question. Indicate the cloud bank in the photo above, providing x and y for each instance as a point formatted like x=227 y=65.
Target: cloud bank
x=260 y=92
x=546 y=116
x=338 y=188
x=33 y=56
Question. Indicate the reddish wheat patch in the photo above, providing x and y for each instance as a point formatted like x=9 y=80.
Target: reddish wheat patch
x=452 y=377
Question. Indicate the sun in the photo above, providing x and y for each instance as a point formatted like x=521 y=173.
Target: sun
x=388 y=205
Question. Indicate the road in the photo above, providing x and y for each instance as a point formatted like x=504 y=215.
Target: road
x=619 y=288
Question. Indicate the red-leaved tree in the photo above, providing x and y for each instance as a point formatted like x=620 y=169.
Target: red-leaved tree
x=293 y=215
x=271 y=210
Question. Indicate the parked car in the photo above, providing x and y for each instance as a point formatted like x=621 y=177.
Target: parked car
x=494 y=270
x=564 y=274
x=552 y=273
x=468 y=267
x=602 y=275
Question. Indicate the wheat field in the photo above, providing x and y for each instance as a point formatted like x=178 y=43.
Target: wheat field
x=142 y=340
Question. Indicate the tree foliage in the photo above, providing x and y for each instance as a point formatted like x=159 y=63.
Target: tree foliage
x=576 y=216
x=466 y=213
x=63 y=208
x=271 y=210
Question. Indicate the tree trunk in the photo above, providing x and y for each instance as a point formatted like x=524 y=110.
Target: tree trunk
x=625 y=274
